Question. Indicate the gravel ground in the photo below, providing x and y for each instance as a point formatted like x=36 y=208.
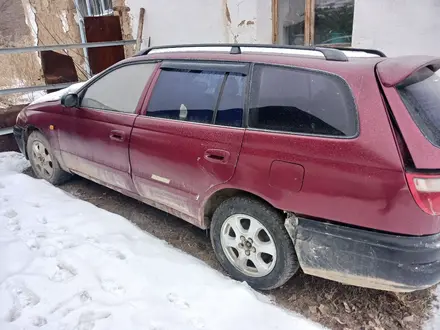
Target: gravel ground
x=332 y=304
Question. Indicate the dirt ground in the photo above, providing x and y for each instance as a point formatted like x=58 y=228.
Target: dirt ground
x=331 y=304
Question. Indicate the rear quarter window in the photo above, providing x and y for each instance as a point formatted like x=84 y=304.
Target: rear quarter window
x=421 y=95
x=301 y=101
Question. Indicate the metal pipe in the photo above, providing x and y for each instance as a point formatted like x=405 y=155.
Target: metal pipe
x=6 y=131
x=103 y=9
x=89 y=8
x=69 y=46
x=82 y=33
x=34 y=88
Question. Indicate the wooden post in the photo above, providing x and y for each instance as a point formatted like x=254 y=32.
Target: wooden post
x=275 y=21
x=312 y=21
x=307 y=25
x=140 y=30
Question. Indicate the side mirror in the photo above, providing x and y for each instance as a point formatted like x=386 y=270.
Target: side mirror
x=70 y=100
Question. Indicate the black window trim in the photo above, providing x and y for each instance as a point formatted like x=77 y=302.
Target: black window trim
x=219 y=66
x=227 y=67
x=297 y=68
x=81 y=92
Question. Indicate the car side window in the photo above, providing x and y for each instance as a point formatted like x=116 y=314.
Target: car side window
x=231 y=105
x=193 y=96
x=119 y=90
x=188 y=95
x=301 y=101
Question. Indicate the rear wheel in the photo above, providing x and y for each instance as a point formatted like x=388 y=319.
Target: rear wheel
x=44 y=164
x=251 y=243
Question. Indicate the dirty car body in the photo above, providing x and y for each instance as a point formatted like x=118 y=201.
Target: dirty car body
x=338 y=148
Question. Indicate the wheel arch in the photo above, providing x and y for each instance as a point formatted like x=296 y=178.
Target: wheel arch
x=216 y=198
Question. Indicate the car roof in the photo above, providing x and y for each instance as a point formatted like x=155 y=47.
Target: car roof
x=306 y=60
x=391 y=71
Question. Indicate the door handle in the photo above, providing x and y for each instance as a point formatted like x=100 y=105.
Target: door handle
x=118 y=136
x=217 y=156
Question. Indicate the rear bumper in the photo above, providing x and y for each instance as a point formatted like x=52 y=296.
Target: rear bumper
x=19 y=138
x=369 y=259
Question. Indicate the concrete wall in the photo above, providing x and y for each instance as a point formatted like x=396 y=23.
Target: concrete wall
x=198 y=21
x=402 y=27
x=12 y=22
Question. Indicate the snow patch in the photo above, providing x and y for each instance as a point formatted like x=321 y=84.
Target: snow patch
x=434 y=322
x=12 y=161
x=66 y=264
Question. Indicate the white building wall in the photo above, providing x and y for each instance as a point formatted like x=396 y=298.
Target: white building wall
x=398 y=27
x=198 y=21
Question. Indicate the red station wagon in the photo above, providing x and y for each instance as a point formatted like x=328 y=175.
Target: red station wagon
x=320 y=159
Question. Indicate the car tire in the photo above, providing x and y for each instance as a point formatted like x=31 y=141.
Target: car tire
x=271 y=258
x=43 y=161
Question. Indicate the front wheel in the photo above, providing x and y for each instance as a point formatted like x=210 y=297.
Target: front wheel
x=251 y=243
x=43 y=162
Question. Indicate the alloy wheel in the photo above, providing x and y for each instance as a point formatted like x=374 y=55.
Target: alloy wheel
x=42 y=159
x=248 y=245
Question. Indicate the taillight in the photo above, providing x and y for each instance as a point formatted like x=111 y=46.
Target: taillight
x=426 y=191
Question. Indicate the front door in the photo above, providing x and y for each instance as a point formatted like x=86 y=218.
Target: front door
x=189 y=139
x=94 y=138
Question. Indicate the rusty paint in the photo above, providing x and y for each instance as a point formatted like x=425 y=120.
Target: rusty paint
x=8 y=116
x=50 y=29
x=57 y=68
x=250 y=23
x=242 y=23
x=227 y=13
x=103 y=28
x=7 y=143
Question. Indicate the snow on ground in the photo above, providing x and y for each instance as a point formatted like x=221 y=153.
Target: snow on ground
x=434 y=322
x=66 y=264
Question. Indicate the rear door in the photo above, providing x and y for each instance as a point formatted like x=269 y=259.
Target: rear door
x=412 y=88
x=188 y=139
x=94 y=137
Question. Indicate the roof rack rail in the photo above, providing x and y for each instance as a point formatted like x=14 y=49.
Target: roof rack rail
x=365 y=50
x=330 y=54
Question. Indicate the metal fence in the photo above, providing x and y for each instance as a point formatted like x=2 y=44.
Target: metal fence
x=29 y=89
x=32 y=49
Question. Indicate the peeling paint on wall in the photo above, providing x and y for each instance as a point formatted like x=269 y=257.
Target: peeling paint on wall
x=231 y=36
x=30 y=20
x=64 y=22
x=63 y=30
x=126 y=17
x=242 y=17
x=202 y=21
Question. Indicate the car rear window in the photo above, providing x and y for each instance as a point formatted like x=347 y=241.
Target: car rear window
x=301 y=101
x=421 y=95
